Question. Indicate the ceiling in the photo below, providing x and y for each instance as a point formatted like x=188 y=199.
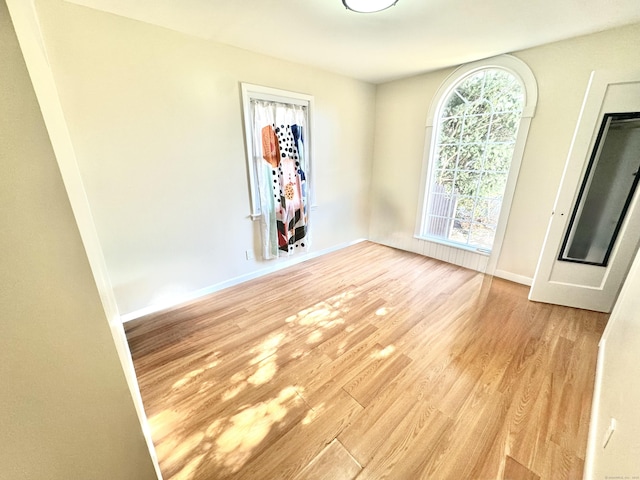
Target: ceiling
x=413 y=37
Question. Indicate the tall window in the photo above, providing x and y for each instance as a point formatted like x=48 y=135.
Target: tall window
x=474 y=141
x=277 y=135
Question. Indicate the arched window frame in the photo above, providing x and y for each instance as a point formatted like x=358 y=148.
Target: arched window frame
x=524 y=74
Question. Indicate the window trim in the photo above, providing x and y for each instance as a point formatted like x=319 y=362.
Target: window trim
x=522 y=72
x=258 y=92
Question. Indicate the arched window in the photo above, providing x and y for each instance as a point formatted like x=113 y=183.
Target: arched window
x=475 y=140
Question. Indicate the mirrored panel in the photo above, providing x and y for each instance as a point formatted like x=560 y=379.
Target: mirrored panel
x=606 y=192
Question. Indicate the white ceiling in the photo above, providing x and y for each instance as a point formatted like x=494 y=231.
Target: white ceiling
x=414 y=36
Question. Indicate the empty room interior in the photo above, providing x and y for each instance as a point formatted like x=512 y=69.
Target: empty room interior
x=319 y=240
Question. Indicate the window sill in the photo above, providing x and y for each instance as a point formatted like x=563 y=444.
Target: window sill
x=447 y=243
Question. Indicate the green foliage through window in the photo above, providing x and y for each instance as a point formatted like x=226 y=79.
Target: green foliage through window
x=475 y=138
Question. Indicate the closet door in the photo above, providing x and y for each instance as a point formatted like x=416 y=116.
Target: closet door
x=594 y=230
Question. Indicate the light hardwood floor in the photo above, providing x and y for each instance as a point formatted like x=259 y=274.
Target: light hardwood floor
x=368 y=363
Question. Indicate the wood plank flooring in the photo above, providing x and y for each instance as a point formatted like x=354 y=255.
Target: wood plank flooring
x=368 y=363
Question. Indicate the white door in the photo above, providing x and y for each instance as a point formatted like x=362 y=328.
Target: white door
x=594 y=229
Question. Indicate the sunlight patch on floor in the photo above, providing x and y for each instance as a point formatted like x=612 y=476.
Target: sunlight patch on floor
x=176 y=451
x=244 y=431
x=260 y=370
x=189 y=376
x=298 y=353
x=266 y=348
x=231 y=441
x=193 y=374
x=189 y=470
x=161 y=423
x=266 y=371
x=322 y=316
x=312 y=414
x=184 y=448
x=384 y=353
x=205 y=386
x=232 y=392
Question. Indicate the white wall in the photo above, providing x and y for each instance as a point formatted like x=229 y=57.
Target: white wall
x=562 y=72
x=617 y=393
x=65 y=408
x=155 y=119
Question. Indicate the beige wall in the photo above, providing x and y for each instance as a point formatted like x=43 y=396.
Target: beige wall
x=617 y=392
x=155 y=118
x=65 y=409
x=562 y=72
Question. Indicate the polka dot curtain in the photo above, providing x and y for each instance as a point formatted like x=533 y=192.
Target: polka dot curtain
x=279 y=134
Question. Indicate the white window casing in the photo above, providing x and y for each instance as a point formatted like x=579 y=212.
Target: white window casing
x=520 y=71
x=257 y=92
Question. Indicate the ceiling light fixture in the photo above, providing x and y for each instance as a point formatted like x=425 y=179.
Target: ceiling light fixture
x=368 y=6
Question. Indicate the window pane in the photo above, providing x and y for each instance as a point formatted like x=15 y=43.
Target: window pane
x=460 y=232
x=472 y=87
x=493 y=184
x=494 y=211
x=441 y=210
x=444 y=179
x=498 y=157
x=504 y=90
x=476 y=128
x=464 y=209
x=439 y=226
x=487 y=210
x=455 y=106
x=504 y=127
x=481 y=235
x=474 y=146
x=482 y=210
x=450 y=130
x=481 y=107
x=446 y=156
x=467 y=182
x=470 y=156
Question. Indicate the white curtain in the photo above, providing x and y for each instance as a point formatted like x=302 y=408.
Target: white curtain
x=280 y=161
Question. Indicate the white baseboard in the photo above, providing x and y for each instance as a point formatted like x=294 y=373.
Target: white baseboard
x=127 y=317
x=513 y=277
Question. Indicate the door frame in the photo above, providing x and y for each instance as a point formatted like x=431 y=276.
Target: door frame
x=588 y=124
